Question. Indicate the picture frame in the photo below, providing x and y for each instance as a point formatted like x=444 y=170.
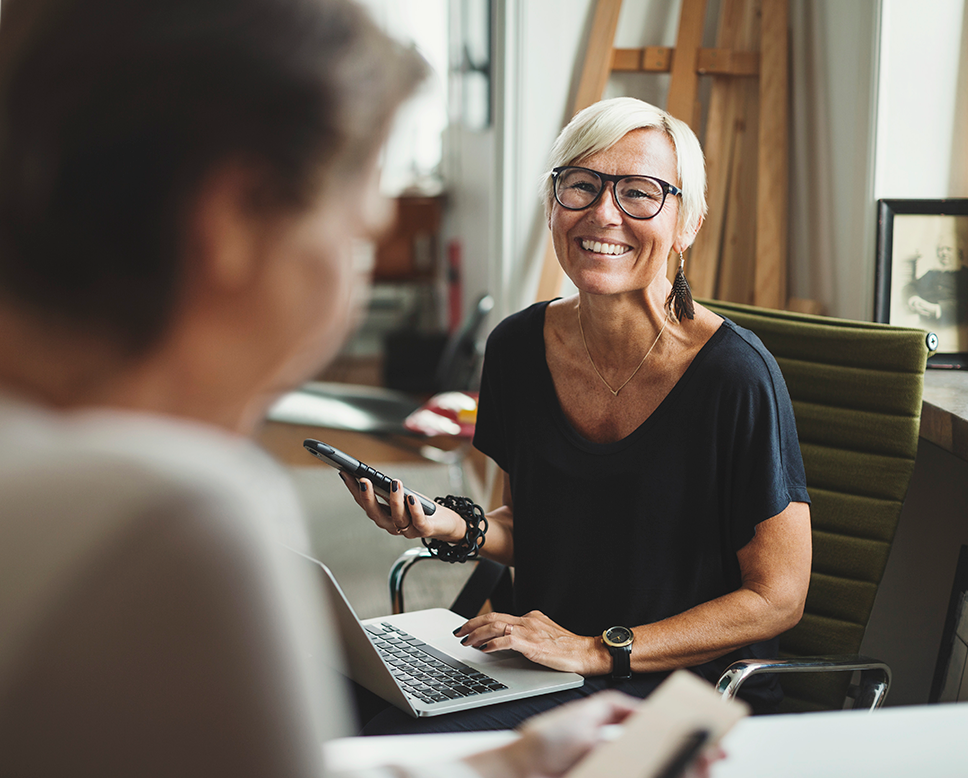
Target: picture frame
x=921 y=276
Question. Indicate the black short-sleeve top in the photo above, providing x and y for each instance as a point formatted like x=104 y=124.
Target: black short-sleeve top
x=637 y=530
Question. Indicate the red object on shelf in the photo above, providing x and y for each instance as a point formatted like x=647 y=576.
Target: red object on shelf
x=447 y=413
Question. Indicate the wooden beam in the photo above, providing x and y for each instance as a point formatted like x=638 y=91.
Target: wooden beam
x=598 y=54
x=709 y=62
x=736 y=257
x=706 y=255
x=737 y=260
x=726 y=62
x=685 y=81
x=657 y=59
x=627 y=60
x=772 y=162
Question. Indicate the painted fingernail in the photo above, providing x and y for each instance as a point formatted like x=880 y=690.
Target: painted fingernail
x=393 y=486
x=362 y=486
x=457 y=630
x=464 y=641
x=482 y=646
x=410 y=499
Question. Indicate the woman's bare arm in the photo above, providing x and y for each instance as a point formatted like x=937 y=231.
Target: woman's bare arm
x=775 y=568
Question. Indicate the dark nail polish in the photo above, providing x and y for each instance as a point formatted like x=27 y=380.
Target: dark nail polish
x=464 y=641
x=393 y=486
x=457 y=630
x=362 y=487
x=482 y=646
x=410 y=499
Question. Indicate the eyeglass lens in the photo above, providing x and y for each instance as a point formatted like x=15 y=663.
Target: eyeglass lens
x=638 y=196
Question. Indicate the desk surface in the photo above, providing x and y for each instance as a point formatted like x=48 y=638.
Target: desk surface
x=921 y=740
x=891 y=743
x=944 y=412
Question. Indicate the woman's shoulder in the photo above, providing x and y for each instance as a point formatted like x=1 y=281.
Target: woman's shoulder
x=738 y=358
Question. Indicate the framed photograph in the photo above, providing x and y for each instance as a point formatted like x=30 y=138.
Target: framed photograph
x=922 y=275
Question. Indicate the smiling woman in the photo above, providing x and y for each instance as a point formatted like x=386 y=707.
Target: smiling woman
x=672 y=509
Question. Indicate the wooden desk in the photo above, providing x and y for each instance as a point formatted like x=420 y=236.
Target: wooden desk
x=944 y=412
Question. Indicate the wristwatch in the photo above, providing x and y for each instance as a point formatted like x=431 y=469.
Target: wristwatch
x=618 y=640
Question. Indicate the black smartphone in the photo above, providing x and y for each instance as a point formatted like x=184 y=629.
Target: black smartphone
x=346 y=463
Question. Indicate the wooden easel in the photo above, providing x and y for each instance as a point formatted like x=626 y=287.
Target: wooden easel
x=741 y=251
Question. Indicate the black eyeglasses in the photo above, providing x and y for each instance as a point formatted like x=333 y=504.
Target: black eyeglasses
x=640 y=197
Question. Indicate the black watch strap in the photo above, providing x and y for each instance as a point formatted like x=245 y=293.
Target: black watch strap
x=621 y=662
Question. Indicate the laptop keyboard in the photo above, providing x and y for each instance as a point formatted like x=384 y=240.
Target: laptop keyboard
x=424 y=672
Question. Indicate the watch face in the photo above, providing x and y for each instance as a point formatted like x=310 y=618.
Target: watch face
x=618 y=636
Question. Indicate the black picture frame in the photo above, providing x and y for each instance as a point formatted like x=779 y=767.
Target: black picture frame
x=921 y=277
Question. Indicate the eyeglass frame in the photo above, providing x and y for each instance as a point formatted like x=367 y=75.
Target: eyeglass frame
x=606 y=178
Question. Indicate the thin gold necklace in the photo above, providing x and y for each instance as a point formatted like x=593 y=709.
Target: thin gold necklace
x=588 y=353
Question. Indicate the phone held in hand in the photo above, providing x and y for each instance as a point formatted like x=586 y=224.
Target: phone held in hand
x=344 y=462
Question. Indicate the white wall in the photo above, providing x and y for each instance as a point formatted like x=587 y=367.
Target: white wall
x=832 y=138
x=922 y=149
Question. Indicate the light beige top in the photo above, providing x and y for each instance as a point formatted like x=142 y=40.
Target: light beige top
x=150 y=622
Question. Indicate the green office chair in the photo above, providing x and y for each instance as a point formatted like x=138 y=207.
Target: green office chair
x=856 y=390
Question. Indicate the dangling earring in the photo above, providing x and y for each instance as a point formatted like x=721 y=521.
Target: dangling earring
x=679 y=302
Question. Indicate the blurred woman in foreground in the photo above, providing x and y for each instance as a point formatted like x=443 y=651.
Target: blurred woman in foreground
x=181 y=183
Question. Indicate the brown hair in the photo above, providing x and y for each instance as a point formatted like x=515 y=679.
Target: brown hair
x=112 y=112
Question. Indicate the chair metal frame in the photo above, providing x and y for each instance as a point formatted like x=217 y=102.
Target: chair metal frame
x=869 y=693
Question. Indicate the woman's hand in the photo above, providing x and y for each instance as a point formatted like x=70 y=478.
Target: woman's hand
x=539 y=639
x=552 y=743
x=403 y=516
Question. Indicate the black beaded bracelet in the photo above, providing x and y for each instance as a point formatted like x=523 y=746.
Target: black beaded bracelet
x=470 y=546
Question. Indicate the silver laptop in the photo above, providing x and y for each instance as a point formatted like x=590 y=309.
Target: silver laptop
x=413 y=660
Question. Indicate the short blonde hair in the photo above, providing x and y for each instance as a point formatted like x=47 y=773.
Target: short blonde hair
x=603 y=124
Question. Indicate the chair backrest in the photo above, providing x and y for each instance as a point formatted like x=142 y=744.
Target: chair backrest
x=461 y=354
x=856 y=391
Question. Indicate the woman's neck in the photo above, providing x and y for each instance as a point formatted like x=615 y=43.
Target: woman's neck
x=614 y=327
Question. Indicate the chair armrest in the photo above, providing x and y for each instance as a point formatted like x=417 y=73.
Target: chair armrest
x=875 y=677
x=399 y=570
x=489 y=581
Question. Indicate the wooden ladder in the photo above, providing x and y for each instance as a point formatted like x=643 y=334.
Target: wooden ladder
x=740 y=253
